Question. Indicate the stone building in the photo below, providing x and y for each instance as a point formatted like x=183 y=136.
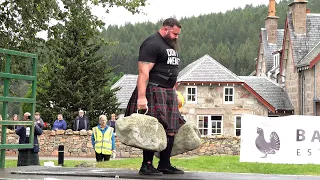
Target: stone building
x=296 y=62
x=216 y=97
x=267 y=62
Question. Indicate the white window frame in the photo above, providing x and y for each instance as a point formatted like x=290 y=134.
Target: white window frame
x=276 y=59
x=235 y=125
x=196 y=96
x=224 y=95
x=209 y=127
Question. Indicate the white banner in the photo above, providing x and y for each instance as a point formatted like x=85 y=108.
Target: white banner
x=287 y=139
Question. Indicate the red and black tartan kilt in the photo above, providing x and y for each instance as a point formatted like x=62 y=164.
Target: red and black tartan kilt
x=162 y=104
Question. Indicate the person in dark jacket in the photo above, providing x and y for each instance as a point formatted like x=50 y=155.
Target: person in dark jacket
x=81 y=122
x=30 y=156
x=38 y=119
x=112 y=122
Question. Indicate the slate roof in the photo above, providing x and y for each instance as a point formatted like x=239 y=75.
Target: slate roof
x=302 y=44
x=206 y=69
x=269 y=48
x=310 y=56
x=269 y=91
x=127 y=84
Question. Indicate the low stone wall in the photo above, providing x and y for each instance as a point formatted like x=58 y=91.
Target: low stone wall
x=79 y=144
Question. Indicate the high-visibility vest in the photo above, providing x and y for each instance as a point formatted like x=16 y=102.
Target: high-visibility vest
x=180 y=96
x=102 y=142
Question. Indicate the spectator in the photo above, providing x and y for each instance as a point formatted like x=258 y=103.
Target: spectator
x=112 y=122
x=14 y=118
x=60 y=123
x=28 y=156
x=38 y=120
x=103 y=140
x=81 y=122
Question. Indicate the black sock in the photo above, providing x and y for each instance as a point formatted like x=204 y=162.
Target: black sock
x=165 y=154
x=147 y=157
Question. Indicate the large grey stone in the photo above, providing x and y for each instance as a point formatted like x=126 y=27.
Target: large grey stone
x=187 y=139
x=141 y=131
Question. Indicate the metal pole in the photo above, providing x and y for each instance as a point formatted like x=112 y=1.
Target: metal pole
x=4 y=111
x=61 y=155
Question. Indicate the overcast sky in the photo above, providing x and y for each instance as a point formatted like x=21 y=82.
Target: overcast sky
x=161 y=9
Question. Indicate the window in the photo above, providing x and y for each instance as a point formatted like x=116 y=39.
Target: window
x=228 y=95
x=191 y=94
x=237 y=125
x=276 y=60
x=210 y=125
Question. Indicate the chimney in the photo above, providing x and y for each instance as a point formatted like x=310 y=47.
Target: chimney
x=298 y=9
x=271 y=23
x=308 y=11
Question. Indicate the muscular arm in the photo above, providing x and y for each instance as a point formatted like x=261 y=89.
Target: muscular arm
x=143 y=78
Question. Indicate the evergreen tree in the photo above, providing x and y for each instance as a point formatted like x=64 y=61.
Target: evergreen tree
x=75 y=75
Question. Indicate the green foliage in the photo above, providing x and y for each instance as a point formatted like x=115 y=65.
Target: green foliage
x=232 y=38
x=115 y=78
x=72 y=75
x=27 y=107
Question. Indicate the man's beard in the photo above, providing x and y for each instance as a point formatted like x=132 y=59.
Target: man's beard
x=172 y=42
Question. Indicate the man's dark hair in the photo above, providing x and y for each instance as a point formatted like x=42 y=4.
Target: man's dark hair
x=171 y=22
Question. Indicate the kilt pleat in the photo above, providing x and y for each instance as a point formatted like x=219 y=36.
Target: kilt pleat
x=162 y=104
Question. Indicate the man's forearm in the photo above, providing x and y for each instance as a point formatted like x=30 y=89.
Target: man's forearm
x=143 y=80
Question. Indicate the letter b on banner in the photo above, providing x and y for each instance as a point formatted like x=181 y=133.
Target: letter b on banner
x=300 y=135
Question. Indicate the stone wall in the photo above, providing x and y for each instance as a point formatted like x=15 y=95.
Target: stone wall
x=79 y=144
x=292 y=83
x=317 y=86
x=259 y=66
x=317 y=66
x=308 y=92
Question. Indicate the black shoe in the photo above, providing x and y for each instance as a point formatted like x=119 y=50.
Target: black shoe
x=148 y=169
x=170 y=170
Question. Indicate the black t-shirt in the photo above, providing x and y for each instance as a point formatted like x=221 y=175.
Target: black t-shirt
x=166 y=68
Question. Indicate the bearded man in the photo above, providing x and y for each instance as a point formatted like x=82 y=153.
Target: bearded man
x=158 y=66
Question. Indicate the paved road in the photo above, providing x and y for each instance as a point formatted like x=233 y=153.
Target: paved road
x=65 y=158
x=59 y=173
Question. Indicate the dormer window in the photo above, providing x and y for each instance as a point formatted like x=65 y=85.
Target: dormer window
x=276 y=58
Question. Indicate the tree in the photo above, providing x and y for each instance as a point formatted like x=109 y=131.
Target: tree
x=233 y=30
x=75 y=76
x=222 y=54
x=22 y=20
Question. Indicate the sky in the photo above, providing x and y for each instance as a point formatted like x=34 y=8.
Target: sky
x=162 y=9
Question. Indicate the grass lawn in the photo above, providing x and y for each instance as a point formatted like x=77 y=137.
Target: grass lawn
x=206 y=164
